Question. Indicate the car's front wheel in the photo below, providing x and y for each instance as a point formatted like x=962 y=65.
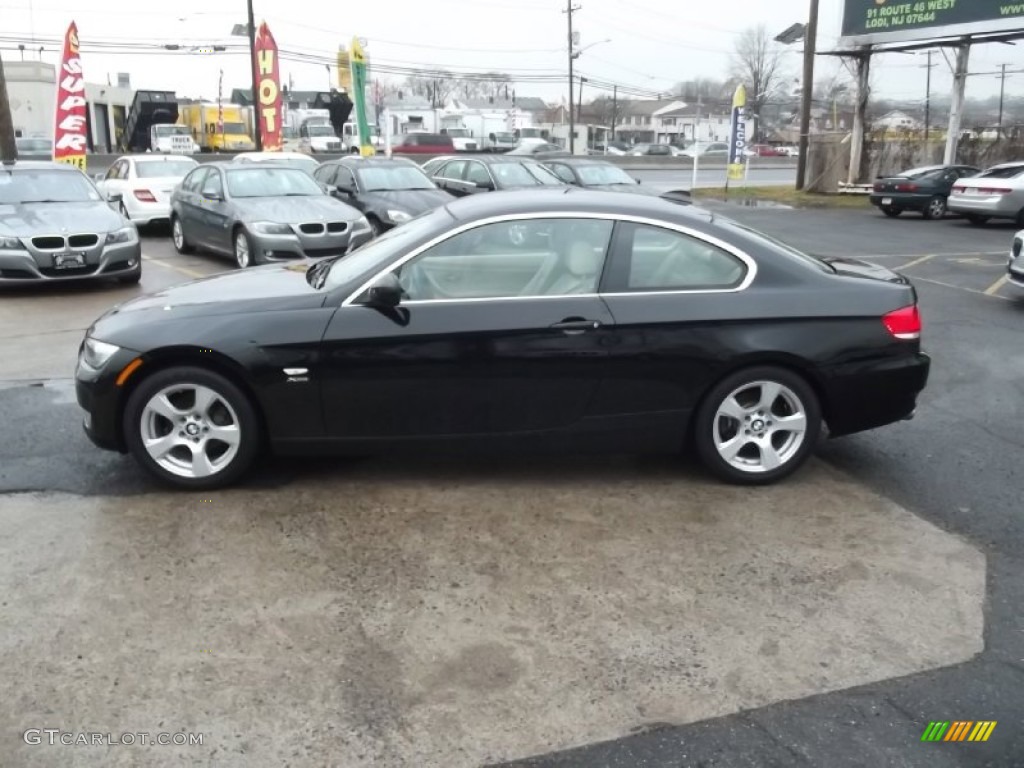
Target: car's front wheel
x=191 y=428
x=758 y=425
x=243 y=249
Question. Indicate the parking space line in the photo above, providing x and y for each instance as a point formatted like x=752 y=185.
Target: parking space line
x=919 y=260
x=993 y=289
x=173 y=267
x=960 y=288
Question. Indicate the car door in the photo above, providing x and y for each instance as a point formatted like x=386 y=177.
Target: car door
x=216 y=217
x=449 y=177
x=478 y=178
x=189 y=208
x=491 y=337
x=671 y=291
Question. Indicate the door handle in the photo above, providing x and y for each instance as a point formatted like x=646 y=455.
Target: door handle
x=577 y=325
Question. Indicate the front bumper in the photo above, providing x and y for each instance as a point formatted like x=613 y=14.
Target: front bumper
x=101 y=261
x=1001 y=206
x=101 y=399
x=271 y=248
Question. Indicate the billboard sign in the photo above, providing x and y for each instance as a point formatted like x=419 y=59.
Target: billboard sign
x=888 y=21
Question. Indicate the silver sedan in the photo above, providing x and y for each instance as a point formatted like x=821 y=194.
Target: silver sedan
x=262 y=213
x=998 y=193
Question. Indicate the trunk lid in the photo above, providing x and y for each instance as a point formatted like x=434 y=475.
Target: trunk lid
x=848 y=267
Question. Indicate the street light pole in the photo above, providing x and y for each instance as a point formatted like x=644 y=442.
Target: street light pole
x=569 y=9
x=255 y=80
x=810 y=39
x=8 y=146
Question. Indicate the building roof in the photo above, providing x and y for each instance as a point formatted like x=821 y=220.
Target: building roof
x=524 y=103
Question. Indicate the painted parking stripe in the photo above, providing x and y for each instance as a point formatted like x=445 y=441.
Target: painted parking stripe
x=918 y=260
x=173 y=267
x=960 y=288
x=993 y=289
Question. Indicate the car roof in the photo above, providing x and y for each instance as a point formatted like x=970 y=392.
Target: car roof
x=269 y=155
x=575 y=200
x=156 y=158
x=581 y=161
x=37 y=165
x=357 y=161
x=503 y=158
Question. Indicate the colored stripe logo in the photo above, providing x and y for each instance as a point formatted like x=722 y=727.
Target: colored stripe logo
x=958 y=730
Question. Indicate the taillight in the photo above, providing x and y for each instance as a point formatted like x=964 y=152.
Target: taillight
x=906 y=187
x=959 y=188
x=145 y=195
x=994 y=191
x=878 y=187
x=904 y=323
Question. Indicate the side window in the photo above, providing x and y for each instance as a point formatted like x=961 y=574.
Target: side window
x=345 y=177
x=194 y=180
x=477 y=173
x=453 y=170
x=325 y=174
x=213 y=184
x=657 y=259
x=528 y=257
x=563 y=172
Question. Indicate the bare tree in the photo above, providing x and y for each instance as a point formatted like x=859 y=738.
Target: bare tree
x=701 y=88
x=757 y=63
x=437 y=88
x=490 y=84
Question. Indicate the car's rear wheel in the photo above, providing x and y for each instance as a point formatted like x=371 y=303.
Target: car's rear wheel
x=243 y=249
x=191 y=428
x=891 y=211
x=936 y=208
x=977 y=220
x=181 y=244
x=758 y=425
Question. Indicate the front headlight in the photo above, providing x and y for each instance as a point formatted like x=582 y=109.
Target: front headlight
x=272 y=228
x=96 y=353
x=398 y=216
x=10 y=243
x=124 y=235
x=361 y=224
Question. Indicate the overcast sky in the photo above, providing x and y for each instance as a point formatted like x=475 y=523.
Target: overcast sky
x=653 y=43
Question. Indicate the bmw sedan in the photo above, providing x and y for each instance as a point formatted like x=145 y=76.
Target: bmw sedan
x=626 y=324
x=144 y=184
x=592 y=173
x=55 y=225
x=261 y=213
x=490 y=173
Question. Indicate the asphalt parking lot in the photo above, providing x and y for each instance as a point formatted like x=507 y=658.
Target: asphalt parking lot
x=583 y=611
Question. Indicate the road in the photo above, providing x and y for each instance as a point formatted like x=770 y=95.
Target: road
x=615 y=611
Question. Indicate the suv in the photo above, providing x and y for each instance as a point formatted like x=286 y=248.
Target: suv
x=424 y=144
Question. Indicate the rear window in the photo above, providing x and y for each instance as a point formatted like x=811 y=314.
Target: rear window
x=1004 y=173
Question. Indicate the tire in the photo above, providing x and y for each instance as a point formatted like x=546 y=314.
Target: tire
x=355 y=151
x=891 y=211
x=1020 y=218
x=734 y=426
x=936 y=208
x=375 y=226
x=243 y=249
x=976 y=220
x=177 y=460
x=181 y=244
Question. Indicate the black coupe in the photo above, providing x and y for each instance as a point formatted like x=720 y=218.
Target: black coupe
x=621 y=323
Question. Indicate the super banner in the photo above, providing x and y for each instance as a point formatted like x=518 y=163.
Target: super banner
x=268 y=79
x=69 y=133
x=738 y=134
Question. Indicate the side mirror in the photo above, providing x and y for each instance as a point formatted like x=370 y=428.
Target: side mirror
x=488 y=185
x=385 y=293
x=213 y=197
x=99 y=177
x=344 y=189
x=115 y=197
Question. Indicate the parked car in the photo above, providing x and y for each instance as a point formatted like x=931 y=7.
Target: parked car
x=925 y=190
x=639 y=325
x=716 y=150
x=468 y=176
x=537 y=149
x=388 y=192
x=503 y=141
x=144 y=183
x=766 y=150
x=423 y=144
x=998 y=193
x=1015 y=266
x=261 y=213
x=591 y=173
x=663 y=150
x=34 y=148
x=299 y=160
x=56 y=225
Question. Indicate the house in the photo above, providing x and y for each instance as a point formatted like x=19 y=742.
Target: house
x=896 y=120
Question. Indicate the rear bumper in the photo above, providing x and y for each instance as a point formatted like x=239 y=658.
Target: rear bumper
x=862 y=396
x=997 y=207
x=907 y=202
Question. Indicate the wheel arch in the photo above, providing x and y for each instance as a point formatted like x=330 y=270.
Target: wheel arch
x=178 y=356
x=785 y=360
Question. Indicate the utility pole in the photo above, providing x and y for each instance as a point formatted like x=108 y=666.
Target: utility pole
x=579 y=110
x=258 y=137
x=569 y=10
x=928 y=110
x=1002 y=93
x=8 y=146
x=810 y=41
x=615 y=115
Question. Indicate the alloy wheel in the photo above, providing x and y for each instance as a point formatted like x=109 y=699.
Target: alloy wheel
x=242 y=254
x=190 y=431
x=177 y=234
x=936 y=208
x=760 y=426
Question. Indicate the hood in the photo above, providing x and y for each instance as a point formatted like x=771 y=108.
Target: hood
x=295 y=210
x=52 y=218
x=411 y=201
x=258 y=289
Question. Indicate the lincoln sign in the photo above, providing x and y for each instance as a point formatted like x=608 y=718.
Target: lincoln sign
x=884 y=21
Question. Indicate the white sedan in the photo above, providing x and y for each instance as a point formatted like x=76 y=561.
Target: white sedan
x=144 y=184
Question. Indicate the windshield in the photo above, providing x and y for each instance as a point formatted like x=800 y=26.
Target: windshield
x=461 y=132
x=270 y=182
x=320 y=130
x=603 y=174
x=380 y=179
x=45 y=186
x=34 y=145
x=171 y=130
x=543 y=175
x=163 y=168
x=380 y=251
x=236 y=129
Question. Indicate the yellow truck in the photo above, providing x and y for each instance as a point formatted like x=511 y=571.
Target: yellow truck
x=202 y=122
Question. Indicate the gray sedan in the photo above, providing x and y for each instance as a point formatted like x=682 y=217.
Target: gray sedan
x=262 y=213
x=55 y=225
